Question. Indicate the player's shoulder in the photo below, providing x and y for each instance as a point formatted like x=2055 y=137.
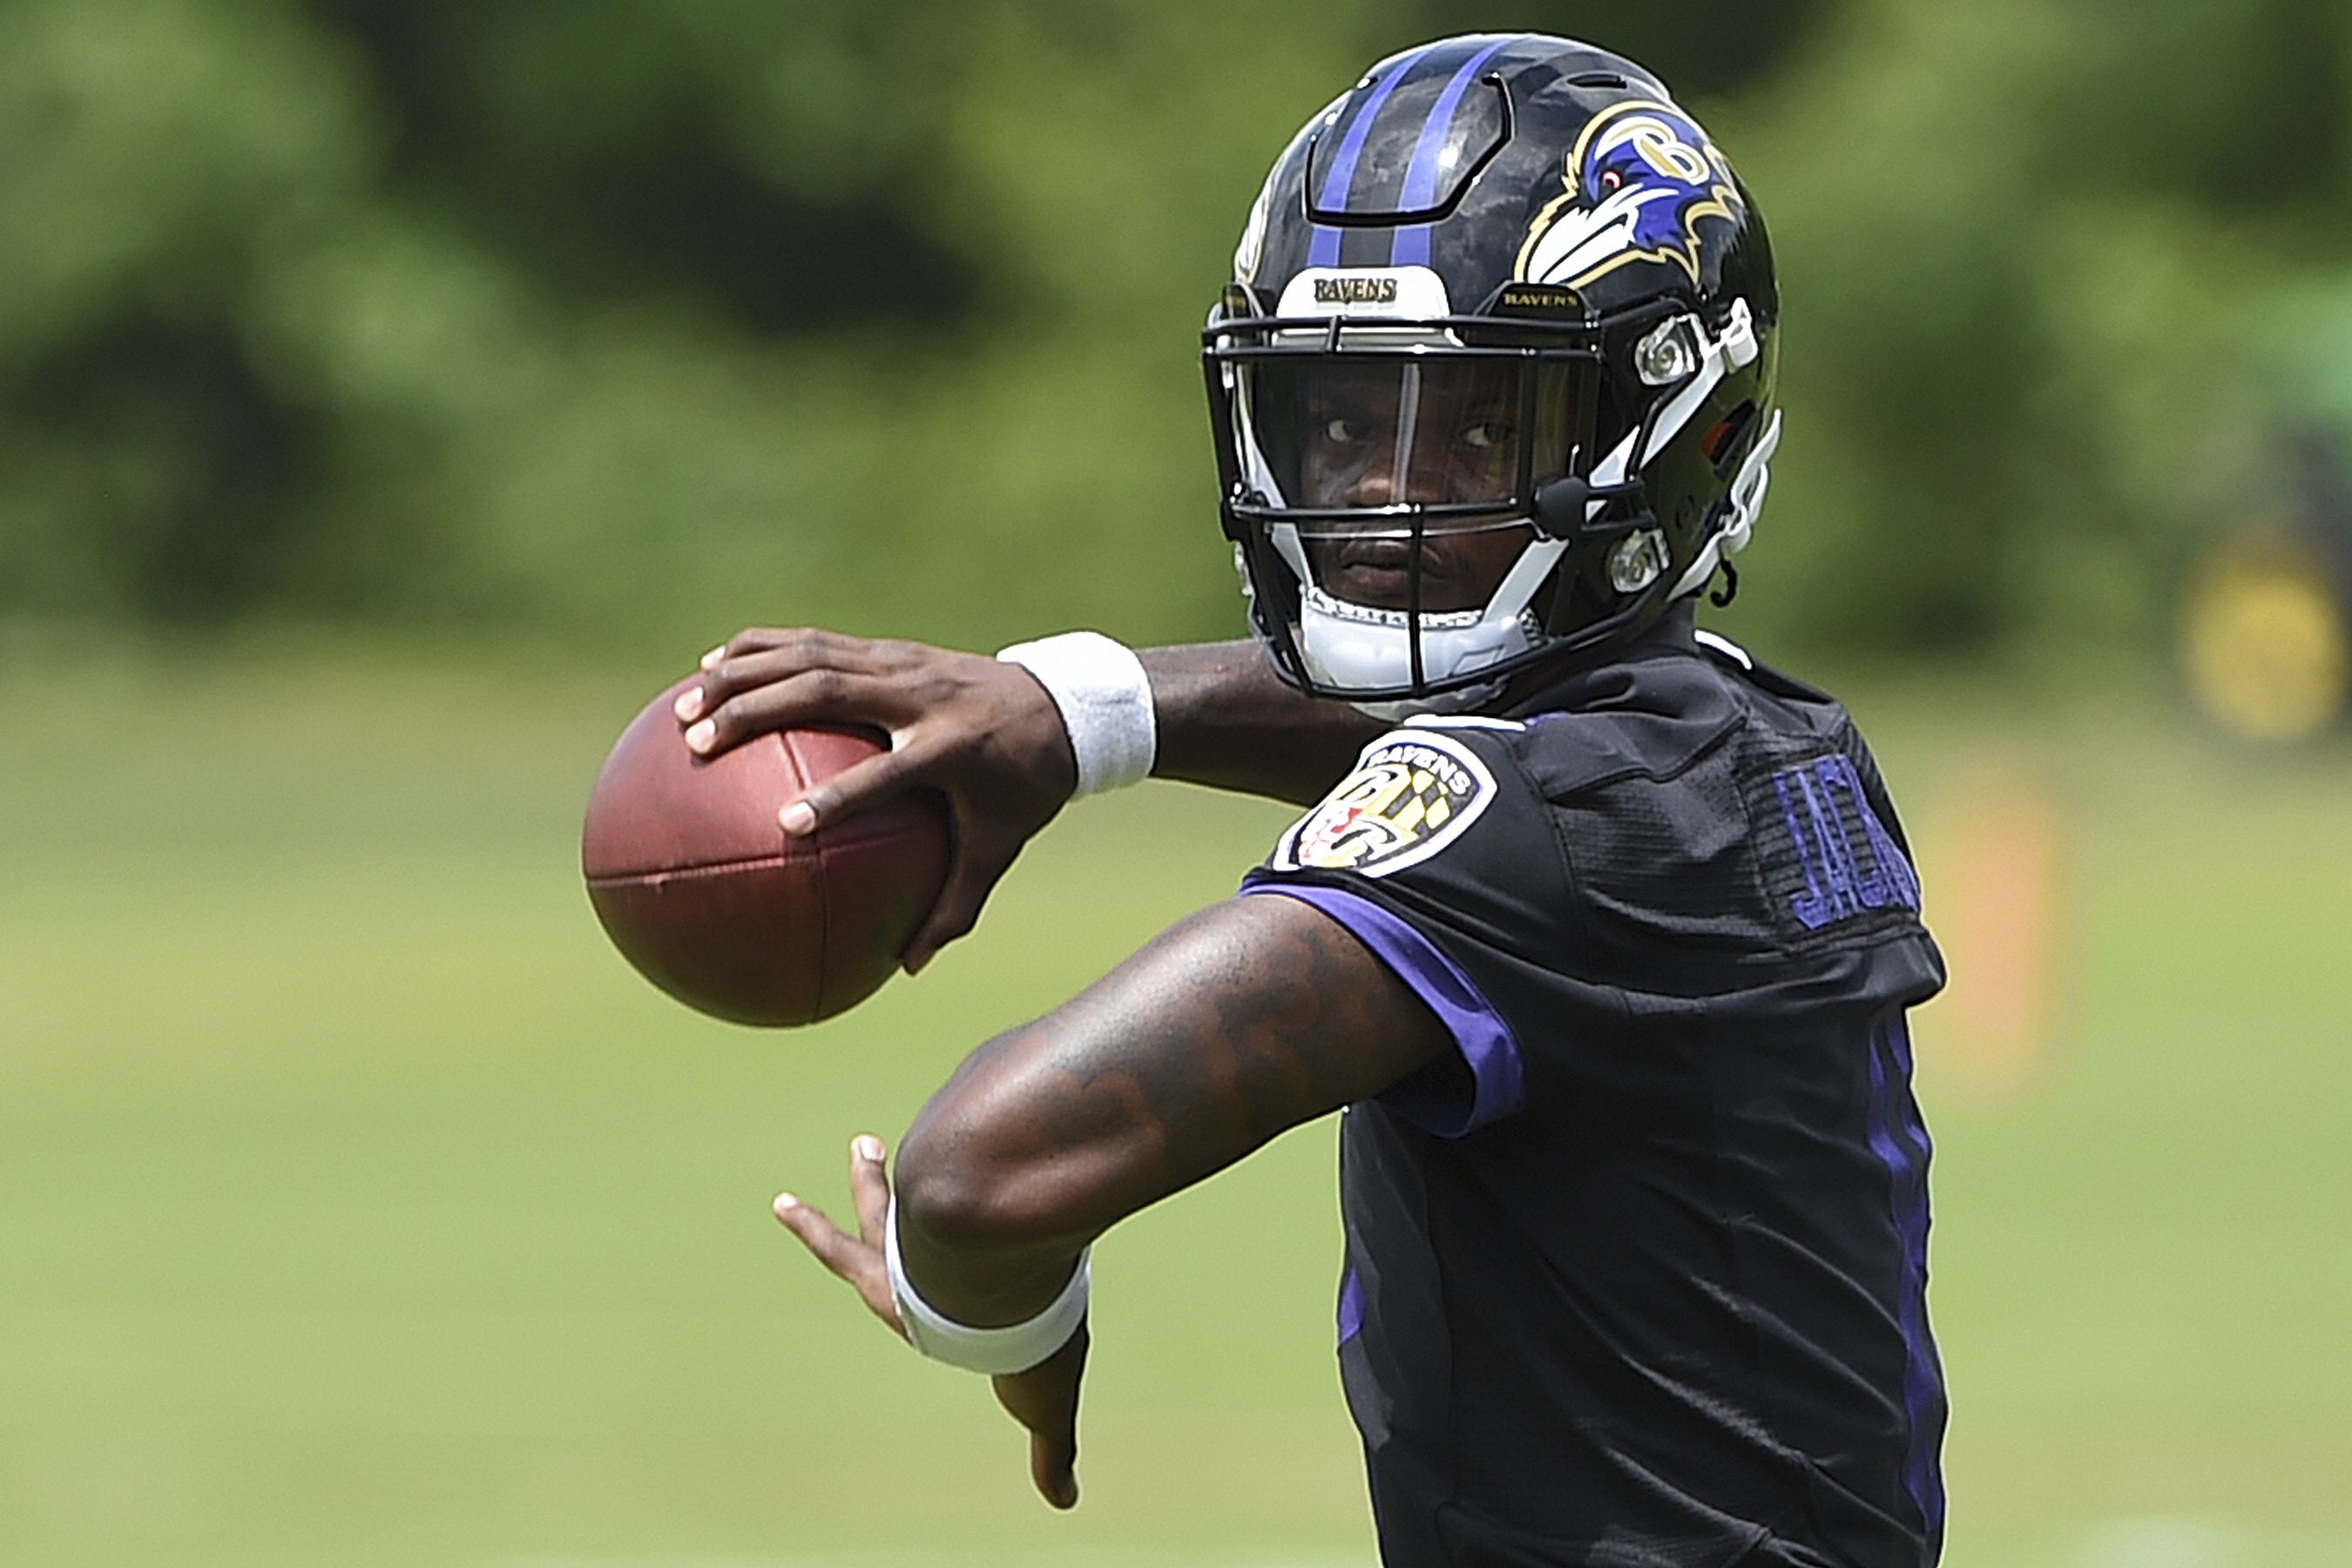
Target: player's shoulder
x=1696 y=718
x=1656 y=716
x=1413 y=792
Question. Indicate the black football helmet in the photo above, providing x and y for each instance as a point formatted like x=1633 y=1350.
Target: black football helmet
x=1493 y=383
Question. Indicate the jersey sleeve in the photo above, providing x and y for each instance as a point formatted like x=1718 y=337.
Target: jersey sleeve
x=1440 y=855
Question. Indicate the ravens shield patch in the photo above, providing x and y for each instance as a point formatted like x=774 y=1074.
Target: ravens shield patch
x=1412 y=794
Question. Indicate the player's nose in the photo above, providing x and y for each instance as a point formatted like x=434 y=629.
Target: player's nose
x=1377 y=485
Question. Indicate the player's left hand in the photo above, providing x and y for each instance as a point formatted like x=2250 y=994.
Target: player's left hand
x=1044 y=1399
x=854 y=1260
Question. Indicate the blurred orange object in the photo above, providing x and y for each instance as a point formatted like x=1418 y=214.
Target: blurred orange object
x=1995 y=884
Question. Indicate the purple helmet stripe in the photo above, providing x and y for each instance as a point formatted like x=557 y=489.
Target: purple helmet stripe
x=1412 y=246
x=1323 y=250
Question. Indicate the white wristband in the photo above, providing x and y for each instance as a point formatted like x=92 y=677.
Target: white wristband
x=1106 y=703
x=1016 y=1347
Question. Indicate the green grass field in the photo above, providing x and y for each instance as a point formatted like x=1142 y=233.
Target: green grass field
x=362 y=1207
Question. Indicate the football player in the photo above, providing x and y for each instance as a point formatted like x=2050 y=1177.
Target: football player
x=1605 y=943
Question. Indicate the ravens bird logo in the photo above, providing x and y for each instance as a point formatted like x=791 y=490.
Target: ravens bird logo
x=1641 y=178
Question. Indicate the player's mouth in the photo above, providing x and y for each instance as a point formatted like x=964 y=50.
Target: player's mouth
x=1378 y=572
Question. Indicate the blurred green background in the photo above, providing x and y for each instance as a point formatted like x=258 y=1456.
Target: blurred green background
x=393 y=393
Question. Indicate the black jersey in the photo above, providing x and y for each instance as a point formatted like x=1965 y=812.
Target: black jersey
x=1636 y=1275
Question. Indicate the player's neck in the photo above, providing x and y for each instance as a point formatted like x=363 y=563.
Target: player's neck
x=1535 y=689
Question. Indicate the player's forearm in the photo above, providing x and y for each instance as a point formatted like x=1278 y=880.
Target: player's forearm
x=1245 y=1020
x=1226 y=720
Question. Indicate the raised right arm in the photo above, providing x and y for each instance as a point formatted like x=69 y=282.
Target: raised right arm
x=986 y=735
x=1227 y=721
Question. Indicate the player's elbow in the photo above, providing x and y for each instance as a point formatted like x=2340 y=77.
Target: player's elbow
x=967 y=1185
x=962 y=1199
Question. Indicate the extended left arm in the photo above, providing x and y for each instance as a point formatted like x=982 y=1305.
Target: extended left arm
x=1239 y=1023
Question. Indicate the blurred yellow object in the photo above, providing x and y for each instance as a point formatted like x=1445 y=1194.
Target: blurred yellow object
x=2264 y=642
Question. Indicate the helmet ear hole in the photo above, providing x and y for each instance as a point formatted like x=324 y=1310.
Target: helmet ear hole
x=1725 y=446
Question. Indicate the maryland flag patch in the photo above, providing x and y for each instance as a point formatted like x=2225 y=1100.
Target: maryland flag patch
x=1412 y=794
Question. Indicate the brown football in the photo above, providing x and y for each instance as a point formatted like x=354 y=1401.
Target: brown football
x=712 y=901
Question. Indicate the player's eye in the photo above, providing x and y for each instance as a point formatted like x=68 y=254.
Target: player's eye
x=1486 y=435
x=1342 y=430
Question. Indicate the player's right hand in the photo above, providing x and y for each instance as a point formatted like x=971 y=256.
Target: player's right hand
x=982 y=733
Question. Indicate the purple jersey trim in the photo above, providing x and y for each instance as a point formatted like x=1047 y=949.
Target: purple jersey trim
x=1899 y=1139
x=1351 y=1304
x=1487 y=1046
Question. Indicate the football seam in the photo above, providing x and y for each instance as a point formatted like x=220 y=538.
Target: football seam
x=788 y=741
x=824 y=931
x=703 y=869
x=847 y=833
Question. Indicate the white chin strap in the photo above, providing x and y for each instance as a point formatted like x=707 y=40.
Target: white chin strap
x=1356 y=647
x=1352 y=647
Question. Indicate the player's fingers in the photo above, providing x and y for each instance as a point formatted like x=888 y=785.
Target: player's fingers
x=861 y=786
x=806 y=647
x=980 y=858
x=817 y=654
x=869 y=1186
x=751 y=659
x=753 y=640
x=1044 y=1399
x=849 y=1259
x=1045 y=1402
x=723 y=716
x=1053 y=1467
x=835 y=1249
